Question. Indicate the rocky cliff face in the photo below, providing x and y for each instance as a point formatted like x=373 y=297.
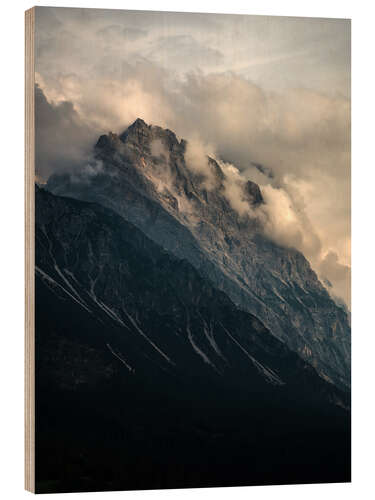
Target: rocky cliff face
x=142 y=174
x=149 y=377
x=110 y=269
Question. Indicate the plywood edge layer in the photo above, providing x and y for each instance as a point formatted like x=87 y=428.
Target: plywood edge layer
x=29 y=252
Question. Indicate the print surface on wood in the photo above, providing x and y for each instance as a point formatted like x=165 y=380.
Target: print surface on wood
x=187 y=258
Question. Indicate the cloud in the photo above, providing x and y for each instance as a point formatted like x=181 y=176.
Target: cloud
x=227 y=106
x=62 y=138
x=196 y=158
x=119 y=33
x=119 y=97
x=250 y=125
x=283 y=216
x=338 y=275
x=302 y=136
x=158 y=149
x=177 y=49
x=234 y=190
x=282 y=224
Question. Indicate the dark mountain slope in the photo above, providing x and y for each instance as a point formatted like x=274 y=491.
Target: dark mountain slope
x=143 y=176
x=149 y=377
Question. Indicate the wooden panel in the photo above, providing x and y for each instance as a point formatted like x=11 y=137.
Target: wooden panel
x=29 y=252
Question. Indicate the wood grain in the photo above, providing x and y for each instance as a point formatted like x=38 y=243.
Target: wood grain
x=29 y=251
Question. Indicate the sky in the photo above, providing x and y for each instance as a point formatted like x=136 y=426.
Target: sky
x=249 y=90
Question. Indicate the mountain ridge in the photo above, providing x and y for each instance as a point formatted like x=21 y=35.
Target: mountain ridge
x=145 y=178
x=148 y=376
x=59 y=260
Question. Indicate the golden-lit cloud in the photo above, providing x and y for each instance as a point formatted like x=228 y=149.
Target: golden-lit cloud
x=268 y=91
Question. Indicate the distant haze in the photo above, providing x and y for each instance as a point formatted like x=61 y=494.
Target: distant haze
x=248 y=90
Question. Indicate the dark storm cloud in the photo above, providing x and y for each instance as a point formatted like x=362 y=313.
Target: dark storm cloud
x=62 y=139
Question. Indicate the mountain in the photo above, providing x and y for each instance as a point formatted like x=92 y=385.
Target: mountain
x=147 y=376
x=142 y=174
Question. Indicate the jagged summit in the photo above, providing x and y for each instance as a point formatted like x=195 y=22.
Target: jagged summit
x=137 y=130
x=146 y=144
x=254 y=194
x=141 y=133
x=107 y=142
x=144 y=138
x=139 y=123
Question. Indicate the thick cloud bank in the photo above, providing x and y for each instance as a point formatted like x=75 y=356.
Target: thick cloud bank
x=100 y=72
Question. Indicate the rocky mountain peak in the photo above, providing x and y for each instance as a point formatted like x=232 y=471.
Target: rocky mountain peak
x=219 y=174
x=253 y=193
x=139 y=124
x=146 y=179
x=137 y=127
x=138 y=132
x=107 y=142
x=142 y=135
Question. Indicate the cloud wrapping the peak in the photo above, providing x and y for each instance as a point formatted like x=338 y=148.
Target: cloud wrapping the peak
x=271 y=91
x=196 y=158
